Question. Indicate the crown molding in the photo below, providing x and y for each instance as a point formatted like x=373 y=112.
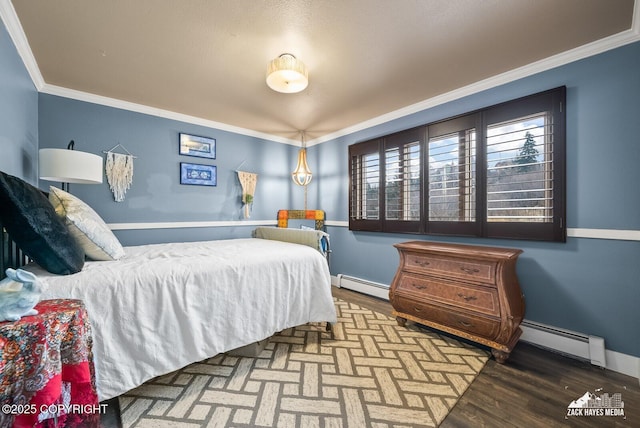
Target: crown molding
x=16 y=32
x=617 y=40
x=166 y=114
x=10 y=18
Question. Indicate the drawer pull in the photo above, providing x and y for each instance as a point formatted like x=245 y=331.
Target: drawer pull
x=469 y=270
x=421 y=262
x=467 y=298
x=417 y=309
x=464 y=323
x=419 y=287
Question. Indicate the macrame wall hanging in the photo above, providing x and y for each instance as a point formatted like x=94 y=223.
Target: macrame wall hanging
x=119 y=170
x=248 y=181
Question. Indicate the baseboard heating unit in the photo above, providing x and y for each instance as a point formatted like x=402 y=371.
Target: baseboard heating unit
x=590 y=348
x=363 y=286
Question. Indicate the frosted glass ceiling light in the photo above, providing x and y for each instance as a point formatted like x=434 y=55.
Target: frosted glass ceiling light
x=287 y=74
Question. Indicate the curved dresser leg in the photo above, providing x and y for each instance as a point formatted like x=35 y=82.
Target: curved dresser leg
x=500 y=356
x=402 y=322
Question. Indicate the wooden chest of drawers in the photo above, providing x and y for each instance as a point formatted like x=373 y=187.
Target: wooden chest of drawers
x=466 y=290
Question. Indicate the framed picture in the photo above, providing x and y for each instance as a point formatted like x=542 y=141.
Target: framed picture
x=200 y=175
x=193 y=145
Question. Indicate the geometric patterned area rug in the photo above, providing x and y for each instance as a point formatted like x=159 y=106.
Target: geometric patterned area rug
x=371 y=373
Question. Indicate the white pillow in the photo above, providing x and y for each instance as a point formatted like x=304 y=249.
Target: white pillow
x=86 y=226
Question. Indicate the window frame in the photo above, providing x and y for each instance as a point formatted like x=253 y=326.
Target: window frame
x=551 y=102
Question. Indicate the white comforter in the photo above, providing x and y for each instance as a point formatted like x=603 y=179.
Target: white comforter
x=165 y=306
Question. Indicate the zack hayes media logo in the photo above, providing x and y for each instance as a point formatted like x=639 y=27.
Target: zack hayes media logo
x=591 y=404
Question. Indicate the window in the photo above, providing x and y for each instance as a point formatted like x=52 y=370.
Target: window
x=497 y=172
x=452 y=154
x=525 y=168
x=402 y=183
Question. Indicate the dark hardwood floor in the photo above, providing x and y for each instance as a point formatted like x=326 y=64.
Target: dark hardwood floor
x=533 y=388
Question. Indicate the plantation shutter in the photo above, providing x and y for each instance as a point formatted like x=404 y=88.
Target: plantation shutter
x=524 y=164
x=452 y=153
x=498 y=172
x=402 y=181
x=365 y=202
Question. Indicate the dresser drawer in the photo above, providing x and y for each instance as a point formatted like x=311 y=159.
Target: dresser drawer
x=473 y=298
x=477 y=325
x=471 y=270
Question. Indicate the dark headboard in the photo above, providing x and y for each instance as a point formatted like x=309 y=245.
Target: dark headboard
x=10 y=255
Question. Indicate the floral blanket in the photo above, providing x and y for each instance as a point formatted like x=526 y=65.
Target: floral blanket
x=47 y=375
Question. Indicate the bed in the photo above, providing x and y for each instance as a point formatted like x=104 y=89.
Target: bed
x=158 y=308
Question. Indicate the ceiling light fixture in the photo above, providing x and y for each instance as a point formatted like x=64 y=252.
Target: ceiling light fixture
x=287 y=74
x=302 y=174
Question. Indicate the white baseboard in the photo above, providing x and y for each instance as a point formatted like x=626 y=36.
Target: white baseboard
x=623 y=363
x=570 y=343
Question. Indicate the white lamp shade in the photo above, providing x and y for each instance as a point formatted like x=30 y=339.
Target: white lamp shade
x=287 y=74
x=70 y=166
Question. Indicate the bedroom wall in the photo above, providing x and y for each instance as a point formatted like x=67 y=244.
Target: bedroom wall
x=18 y=114
x=156 y=194
x=586 y=285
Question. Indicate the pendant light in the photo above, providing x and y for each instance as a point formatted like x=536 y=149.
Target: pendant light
x=302 y=174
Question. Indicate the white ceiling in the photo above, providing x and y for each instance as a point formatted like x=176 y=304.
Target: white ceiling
x=366 y=58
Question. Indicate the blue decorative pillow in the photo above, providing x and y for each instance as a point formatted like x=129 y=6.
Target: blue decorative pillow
x=37 y=230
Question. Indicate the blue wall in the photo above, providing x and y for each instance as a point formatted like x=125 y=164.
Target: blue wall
x=18 y=114
x=156 y=194
x=586 y=285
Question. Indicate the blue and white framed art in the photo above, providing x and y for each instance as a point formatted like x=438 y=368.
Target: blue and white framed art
x=198 y=174
x=194 y=145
